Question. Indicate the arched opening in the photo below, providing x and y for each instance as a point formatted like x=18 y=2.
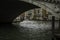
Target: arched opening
x=38 y=21
x=33 y=24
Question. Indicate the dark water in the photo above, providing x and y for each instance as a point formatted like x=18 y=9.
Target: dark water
x=10 y=32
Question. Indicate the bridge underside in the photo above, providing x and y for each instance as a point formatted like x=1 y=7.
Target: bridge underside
x=12 y=9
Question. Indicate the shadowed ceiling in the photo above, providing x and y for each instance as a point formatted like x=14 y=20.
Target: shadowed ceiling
x=11 y=9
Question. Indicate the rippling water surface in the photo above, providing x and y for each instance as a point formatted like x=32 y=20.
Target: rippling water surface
x=29 y=30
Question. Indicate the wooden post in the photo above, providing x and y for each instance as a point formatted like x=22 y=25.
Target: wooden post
x=53 y=26
x=59 y=23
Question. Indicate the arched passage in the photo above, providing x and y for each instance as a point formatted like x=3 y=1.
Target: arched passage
x=12 y=9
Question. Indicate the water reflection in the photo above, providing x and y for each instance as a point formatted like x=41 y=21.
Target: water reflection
x=19 y=32
x=9 y=32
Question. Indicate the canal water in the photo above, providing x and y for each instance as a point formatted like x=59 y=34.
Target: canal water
x=26 y=30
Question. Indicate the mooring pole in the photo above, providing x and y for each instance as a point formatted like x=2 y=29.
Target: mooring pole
x=59 y=23
x=53 y=26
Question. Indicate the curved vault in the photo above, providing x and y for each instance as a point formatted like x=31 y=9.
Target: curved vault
x=11 y=9
x=52 y=9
